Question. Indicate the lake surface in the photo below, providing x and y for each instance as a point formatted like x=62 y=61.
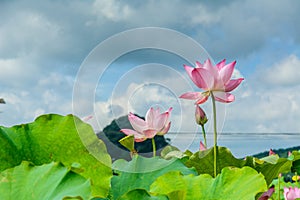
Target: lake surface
x=240 y=144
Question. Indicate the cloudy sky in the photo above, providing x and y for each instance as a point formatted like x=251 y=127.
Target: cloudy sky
x=46 y=56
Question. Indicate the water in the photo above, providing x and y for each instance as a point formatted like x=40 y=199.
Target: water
x=241 y=144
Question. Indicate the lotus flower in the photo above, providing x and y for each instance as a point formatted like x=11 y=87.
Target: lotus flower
x=200 y=116
x=291 y=193
x=155 y=123
x=271 y=152
x=213 y=80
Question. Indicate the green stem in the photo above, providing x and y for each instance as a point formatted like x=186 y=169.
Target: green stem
x=215 y=133
x=204 y=135
x=279 y=176
x=153 y=147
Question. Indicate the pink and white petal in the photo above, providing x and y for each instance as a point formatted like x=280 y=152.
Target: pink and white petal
x=211 y=69
x=204 y=78
x=156 y=112
x=169 y=111
x=198 y=64
x=189 y=70
x=223 y=97
x=195 y=76
x=221 y=64
x=137 y=123
x=232 y=84
x=226 y=72
x=131 y=132
x=160 y=121
x=165 y=129
x=191 y=95
x=202 y=99
x=137 y=136
x=150 y=115
x=149 y=133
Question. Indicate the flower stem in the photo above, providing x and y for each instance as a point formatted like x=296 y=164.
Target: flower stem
x=215 y=133
x=279 y=176
x=204 y=135
x=153 y=147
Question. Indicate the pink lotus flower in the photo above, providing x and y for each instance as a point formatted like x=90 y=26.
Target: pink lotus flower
x=212 y=79
x=200 y=116
x=155 y=123
x=291 y=193
x=271 y=152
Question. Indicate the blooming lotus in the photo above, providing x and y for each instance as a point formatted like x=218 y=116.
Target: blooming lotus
x=291 y=193
x=213 y=80
x=155 y=123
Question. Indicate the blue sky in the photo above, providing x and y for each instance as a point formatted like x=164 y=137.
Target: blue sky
x=44 y=43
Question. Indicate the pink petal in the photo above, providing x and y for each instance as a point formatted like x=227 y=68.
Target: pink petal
x=202 y=99
x=165 y=129
x=291 y=193
x=213 y=72
x=191 y=95
x=221 y=64
x=223 y=97
x=232 y=84
x=150 y=115
x=137 y=136
x=160 y=121
x=137 y=123
x=271 y=152
x=195 y=76
x=198 y=64
x=150 y=133
x=202 y=146
x=205 y=78
x=226 y=72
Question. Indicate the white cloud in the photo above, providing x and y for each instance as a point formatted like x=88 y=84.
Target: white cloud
x=264 y=103
x=285 y=72
x=112 y=10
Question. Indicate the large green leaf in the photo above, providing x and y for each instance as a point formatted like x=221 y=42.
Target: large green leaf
x=270 y=166
x=47 y=182
x=56 y=138
x=203 y=161
x=295 y=157
x=141 y=172
x=232 y=183
x=141 y=194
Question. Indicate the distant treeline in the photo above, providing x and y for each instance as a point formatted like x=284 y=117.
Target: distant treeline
x=283 y=153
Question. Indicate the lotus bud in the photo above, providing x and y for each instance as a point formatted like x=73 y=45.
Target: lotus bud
x=200 y=116
x=202 y=146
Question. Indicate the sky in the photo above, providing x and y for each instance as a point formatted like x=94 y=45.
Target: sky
x=99 y=58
